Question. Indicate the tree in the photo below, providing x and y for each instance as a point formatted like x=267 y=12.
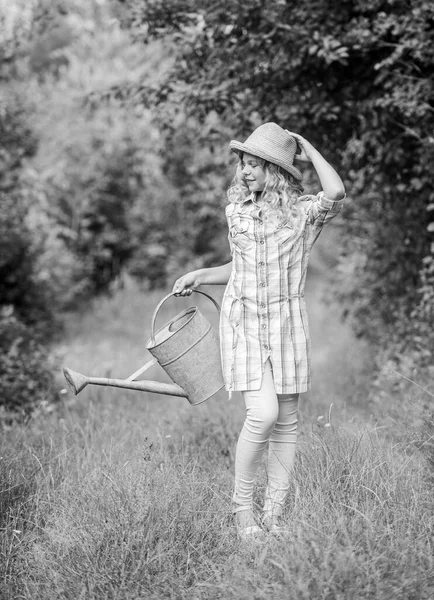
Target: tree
x=354 y=77
x=25 y=309
x=81 y=185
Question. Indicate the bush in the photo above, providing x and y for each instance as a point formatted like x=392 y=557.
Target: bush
x=26 y=315
x=19 y=285
x=355 y=79
x=26 y=377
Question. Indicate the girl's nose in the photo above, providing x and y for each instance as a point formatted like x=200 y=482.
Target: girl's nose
x=245 y=169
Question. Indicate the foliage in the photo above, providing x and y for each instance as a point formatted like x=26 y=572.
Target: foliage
x=101 y=203
x=18 y=253
x=95 y=186
x=196 y=164
x=96 y=178
x=26 y=315
x=82 y=193
x=26 y=378
x=356 y=79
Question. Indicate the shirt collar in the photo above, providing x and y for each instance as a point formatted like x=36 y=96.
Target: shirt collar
x=250 y=206
x=250 y=198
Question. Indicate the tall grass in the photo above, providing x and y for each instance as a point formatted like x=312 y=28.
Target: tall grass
x=122 y=495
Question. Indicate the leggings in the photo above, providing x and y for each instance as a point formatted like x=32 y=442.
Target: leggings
x=270 y=418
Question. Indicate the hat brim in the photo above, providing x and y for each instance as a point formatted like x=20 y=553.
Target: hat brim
x=238 y=148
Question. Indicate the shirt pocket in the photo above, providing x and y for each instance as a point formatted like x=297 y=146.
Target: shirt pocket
x=284 y=233
x=241 y=233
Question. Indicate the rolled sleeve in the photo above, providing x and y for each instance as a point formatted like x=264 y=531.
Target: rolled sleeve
x=320 y=209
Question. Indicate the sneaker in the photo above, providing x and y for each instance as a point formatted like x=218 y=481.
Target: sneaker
x=272 y=524
x=252 y=533
x=247 y=528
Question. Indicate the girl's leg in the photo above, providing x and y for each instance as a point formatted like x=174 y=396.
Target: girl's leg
x=281 y=455
x=261 y=414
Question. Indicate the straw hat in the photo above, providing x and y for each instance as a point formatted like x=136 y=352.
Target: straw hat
x=270 y=142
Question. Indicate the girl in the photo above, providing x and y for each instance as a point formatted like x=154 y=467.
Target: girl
x=264 y=334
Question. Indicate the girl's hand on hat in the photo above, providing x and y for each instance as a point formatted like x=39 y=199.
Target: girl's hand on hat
x=305 y=149
x=185 y=285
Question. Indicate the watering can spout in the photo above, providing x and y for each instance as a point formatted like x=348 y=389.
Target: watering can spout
x=76 y=382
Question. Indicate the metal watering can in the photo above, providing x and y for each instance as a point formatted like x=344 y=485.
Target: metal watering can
x=187 y=348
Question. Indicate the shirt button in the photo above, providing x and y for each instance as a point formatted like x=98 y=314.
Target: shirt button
x=265 y=346
x=262 y=305
x=262 y=242
x=262 y=284
x=264 y=326
x=261 y=263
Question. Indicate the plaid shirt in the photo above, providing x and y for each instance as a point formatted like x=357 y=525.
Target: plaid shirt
x=263 y=309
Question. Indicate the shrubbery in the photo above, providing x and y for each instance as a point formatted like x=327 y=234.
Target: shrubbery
x=82 y=193
x=124 y=165
x=25 y=310
x=26 y=378
x=354 y=78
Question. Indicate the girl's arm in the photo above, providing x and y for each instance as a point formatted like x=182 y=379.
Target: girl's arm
x=210 y=276
x=331 y=183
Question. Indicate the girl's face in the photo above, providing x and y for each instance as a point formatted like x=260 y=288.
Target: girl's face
x=254 y=175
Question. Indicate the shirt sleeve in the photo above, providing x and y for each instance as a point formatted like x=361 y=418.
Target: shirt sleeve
x=320 y=209
x=228 y=212
x=231 y=246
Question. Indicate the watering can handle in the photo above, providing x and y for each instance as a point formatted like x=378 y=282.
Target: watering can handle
x=160 y=304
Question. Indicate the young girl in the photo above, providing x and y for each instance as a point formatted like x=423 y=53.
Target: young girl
x=264 y=334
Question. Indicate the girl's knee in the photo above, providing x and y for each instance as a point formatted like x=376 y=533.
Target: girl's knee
x=262 y=419
x=269 y=418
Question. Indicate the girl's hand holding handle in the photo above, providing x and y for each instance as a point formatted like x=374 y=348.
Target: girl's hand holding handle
x=185 y=285
x=305 y=147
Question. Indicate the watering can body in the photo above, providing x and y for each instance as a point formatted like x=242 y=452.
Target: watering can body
x=187 y=348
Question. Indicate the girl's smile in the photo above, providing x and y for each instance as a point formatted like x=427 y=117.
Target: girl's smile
x=254 y=175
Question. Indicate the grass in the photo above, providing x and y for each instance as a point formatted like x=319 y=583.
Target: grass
x=122 y=495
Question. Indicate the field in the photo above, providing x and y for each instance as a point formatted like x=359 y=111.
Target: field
x=123 y=495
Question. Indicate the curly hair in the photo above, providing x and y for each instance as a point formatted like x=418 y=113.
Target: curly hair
x=281 y=191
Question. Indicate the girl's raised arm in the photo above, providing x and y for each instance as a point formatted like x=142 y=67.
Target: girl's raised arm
x=332 y=185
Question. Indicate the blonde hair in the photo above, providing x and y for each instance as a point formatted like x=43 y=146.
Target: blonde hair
x=281 y=191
